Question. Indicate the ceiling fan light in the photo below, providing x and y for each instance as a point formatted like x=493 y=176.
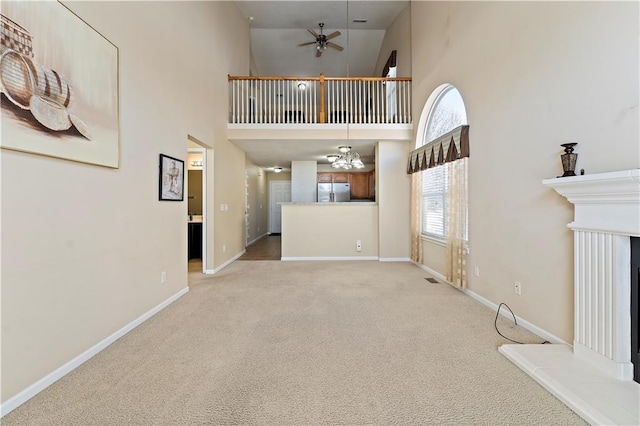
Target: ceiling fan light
x=344 y=149
x=302 y=85
x=333 y=157
x=277 y=169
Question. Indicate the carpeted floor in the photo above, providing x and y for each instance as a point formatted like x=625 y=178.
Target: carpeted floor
x=300 y=343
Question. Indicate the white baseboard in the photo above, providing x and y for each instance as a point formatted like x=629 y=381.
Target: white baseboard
x=225 y=264
x=286 y=259
x=37 y=387
x=251 y=242
x=430 y=271
x=521 y=322
x=504 y=312
x=394 y=259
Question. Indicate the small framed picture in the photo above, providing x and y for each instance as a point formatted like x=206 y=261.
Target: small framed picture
x=171 y=178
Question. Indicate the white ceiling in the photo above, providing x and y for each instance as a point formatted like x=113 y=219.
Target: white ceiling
x=281 y=153
x=277 y=27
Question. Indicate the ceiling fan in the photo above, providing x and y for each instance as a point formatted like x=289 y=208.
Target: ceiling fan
x=322 y=41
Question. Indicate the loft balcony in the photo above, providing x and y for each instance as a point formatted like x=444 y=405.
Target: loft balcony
x=319 y=108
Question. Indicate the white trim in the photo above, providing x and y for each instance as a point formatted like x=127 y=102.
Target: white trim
x=434 y=240
x=263 y=235
x=521 y=322
x=37 y=387
x=287 y=259
x=435 y=274
x=604 y=202
x=394 y=259
x=590 y=392
x=288 y=126
x=620 y=370
x=203 y=151
x=494 y=307
x=225 y=264
x=442 y=242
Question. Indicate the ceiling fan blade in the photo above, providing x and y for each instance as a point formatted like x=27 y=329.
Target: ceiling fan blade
x=318 y=53
x=335 y=46
x=306 y=44
x=333 y=35
x=313 y=33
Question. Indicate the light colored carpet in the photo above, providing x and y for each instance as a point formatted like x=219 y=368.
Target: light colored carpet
x=298 y=343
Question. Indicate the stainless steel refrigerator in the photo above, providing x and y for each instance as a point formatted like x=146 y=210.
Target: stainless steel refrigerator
x=334 y=192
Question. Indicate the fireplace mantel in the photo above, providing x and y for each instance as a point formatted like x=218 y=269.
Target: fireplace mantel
x=595 y=377
x=604 y=202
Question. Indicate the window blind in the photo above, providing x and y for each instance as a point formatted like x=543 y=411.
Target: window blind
x=434 y=201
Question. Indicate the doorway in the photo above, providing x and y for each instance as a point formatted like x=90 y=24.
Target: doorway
x=196 y=204
x=279 y=192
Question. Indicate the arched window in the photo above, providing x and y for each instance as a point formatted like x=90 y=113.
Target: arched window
x=445 y=111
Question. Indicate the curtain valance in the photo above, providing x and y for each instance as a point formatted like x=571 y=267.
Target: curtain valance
x=391 y=62
x=448 y=147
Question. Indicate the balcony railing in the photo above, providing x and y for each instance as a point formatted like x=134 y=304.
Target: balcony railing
x=358 y=100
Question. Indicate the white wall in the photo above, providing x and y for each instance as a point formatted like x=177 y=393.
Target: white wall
x=393 y=188
x=533 y=75
x=304 y=178
x=397 y=37
x=83 y=246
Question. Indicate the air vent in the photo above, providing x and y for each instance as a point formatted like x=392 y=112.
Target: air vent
x=359 y=21
x=432 y=280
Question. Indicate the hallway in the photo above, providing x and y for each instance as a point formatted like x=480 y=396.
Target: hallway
x=266 y=248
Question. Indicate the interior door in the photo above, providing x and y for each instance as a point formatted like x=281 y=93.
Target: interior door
x=279 y=192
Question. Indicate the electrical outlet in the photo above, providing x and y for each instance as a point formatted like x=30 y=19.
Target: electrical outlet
x=476 y=271
x=358 y=245
x=224 y=248
x=163 y=277
x=517 y=288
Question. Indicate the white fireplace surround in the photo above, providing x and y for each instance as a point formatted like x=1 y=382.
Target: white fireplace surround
x=596 y=378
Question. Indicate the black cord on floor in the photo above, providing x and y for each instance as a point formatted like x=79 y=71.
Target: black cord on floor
x=495 y=323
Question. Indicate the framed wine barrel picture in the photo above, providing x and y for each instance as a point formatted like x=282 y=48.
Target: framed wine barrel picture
x=59 y=85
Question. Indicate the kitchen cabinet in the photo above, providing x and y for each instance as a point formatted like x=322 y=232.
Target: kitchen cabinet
x=359 y=186
x=334 y=178
x=362 y=184
x=341 y=177
x=325 y=177
x=372 y=185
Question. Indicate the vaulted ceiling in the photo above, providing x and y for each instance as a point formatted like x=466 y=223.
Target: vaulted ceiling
x=277 y=27
x=276 y=30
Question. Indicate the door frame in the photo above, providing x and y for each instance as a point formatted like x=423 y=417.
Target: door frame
x=203 y=151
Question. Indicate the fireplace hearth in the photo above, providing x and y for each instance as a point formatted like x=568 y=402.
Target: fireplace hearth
x=635 y=307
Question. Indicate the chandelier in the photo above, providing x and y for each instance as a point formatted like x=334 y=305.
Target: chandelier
x=347 y=159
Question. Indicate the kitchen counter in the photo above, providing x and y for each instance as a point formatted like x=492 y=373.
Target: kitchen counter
x=197 y=218
x=346 y=203
x=330 y=231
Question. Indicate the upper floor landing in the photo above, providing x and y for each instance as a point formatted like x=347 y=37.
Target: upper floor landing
x=319 y=108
